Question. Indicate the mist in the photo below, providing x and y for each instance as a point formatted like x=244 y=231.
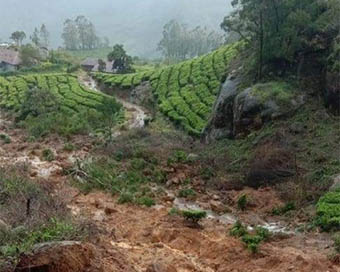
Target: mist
x=137 y=24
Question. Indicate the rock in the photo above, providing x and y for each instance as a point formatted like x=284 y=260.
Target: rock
x=60 y=256
x=4 y=226
x=110 y=209
x=169 y=197
x=237 y=113
x=217 y=206
x=216 y=197
x=332 y=92
x=193 y=157
x=336 y=183
x=161 y=267
x=220 y=124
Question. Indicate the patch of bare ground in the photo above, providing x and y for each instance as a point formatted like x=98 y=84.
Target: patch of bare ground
x=135 y=238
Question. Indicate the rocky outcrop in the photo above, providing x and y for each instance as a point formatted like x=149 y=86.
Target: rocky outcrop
x=67 y=256
x=237 y=112
x=332 y=93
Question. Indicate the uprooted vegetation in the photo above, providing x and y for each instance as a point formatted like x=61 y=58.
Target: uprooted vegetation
x=30 y=215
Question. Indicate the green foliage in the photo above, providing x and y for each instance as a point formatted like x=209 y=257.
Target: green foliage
x=185 y=193
x=277 y=31
x=56 y=103
x=178 y=156
x=29 y=55
x=122 y=61
x=179 y=42
x=251 y=241
x=328 y=211
x=336 y=239
x=193 y=215
x=48 y=155
x=280 y=92
x=242 y=202
x=146 y=201
x=284 y=209
x=5 y=138
x=185 y=92
x=238 y=230
x=174 y=211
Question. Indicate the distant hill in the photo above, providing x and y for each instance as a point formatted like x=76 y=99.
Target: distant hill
x=137 y=24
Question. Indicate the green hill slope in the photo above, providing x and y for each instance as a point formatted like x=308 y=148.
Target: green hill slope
x=185 y=92
x=73 y=97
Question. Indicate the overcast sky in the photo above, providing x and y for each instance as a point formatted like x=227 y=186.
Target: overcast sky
x=136 y=23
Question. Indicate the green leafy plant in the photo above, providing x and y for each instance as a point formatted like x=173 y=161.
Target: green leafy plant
x=242 y=202
x=5 y=138
x=48 y=155
x=186 y=193
x=193 y=215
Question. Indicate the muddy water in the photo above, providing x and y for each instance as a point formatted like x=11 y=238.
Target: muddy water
x=228 y=218
x=136 y=115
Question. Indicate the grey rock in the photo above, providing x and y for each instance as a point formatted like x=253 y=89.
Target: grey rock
x=336 y=183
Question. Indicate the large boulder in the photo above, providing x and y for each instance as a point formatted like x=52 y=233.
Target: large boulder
x=238 y=112
x=261 y=103
x=332 y=92
x=221 y=122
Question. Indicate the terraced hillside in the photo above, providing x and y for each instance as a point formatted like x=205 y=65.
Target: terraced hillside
x=74 y=98
x=185 y=92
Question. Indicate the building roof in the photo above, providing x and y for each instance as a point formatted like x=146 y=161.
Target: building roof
x=108 y=67
x=90 y=62
x=10 y=56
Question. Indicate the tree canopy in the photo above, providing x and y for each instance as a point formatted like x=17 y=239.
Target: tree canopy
x=179 y=42
x=18 y=37
x=122 y=61
x=281 y=30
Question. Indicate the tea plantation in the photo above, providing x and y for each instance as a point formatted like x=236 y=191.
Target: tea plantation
x=74 y=98
x=185 y=92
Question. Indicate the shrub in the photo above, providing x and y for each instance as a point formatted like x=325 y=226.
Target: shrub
x=48 y=155
x=251 y=241
x=146 y=201
x=126 y=198
x=328 y=211
x=174 y=211
x=336 y=239
x=5 y=138
x=69 y=147
x=185 y=193
x=242 y=202
x=283 y=210
x=238 y=230
x=193 y=215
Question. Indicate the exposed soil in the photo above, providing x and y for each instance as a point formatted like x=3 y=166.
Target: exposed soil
x=142 y=239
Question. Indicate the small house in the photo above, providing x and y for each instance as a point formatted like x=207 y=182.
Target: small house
x=9 y=60
x=92 y=65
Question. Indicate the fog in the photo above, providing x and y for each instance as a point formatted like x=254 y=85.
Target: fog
x=135 y=23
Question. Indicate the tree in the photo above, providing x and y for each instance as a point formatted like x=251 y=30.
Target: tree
x=122 y=61
x=29 y=55
x=101 y=65
x=35 y=37
x=44 y=36
x=280 y=31
x=18 y=37
x=87 y=33
x=70 y=35
x=179 y=42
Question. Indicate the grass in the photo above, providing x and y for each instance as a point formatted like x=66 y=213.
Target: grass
x=32 y=214
x=280 y=92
